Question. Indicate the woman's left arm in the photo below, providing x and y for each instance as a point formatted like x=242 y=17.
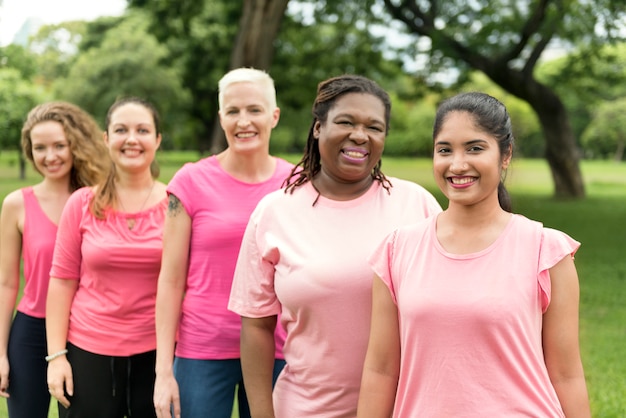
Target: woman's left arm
x=560 y=341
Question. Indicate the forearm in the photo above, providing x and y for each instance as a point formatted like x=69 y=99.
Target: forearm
x=257 y=362
x=8 y=297
x=572 y=394
x=377 y=395
x=58 y=304
x=168 y=309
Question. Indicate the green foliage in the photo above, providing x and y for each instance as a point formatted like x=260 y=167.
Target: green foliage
x=411 y=128
x=199 y=35
x=19 y=58
x=55 y=48
x=585 y=78
x=127 y=61
x=17 y=97
x=605 y=136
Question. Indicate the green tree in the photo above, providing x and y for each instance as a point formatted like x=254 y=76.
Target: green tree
x=17 y=97
x=585 y=79
x=207 y=38
x=505 y=40
x=55 y=48
x=20 y=59
x=125 y=60
x=605 y=136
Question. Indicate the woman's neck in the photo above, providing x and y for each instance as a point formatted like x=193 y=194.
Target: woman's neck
x=58 y=186
x=333 y=189
x=251 y=168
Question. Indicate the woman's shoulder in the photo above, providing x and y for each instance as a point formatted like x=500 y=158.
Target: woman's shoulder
x=14 y=201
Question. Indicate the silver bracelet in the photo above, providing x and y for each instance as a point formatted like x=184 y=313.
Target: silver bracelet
x=55 y=355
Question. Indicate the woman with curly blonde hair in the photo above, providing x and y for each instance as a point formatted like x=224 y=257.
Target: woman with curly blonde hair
x=65 y=145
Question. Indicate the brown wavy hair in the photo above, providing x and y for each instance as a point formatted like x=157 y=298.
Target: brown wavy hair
x=90 y=162
x=106 y=196
x=328 y=92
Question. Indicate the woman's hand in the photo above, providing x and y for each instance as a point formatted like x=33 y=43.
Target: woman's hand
x=60 y=380
x=166 y=396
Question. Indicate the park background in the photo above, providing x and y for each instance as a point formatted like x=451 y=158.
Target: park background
x=560 y=67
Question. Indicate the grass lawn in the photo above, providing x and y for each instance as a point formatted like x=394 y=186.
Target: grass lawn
x=598 y=222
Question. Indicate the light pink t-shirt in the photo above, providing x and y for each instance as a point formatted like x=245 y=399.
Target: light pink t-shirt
x=219 y=206
x=117 y=268
x=37 y=247
x=470 y=325
x=308 y=263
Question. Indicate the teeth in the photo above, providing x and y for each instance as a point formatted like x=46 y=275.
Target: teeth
x=246 y=135
x=463 y=180
x=354 y=154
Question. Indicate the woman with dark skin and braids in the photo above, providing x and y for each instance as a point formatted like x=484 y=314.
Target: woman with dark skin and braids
x=304 y=254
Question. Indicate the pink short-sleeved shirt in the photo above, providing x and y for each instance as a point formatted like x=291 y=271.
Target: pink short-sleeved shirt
x=308 y=264
x=37 y=248
x=470 y=325
x=117 y=270
x=219 y=206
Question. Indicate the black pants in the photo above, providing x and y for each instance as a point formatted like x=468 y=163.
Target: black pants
x=27 y=374
x=110 y=387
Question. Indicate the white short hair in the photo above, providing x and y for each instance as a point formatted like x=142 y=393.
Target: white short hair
x=249 y=75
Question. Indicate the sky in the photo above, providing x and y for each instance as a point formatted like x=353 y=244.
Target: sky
x=13 y=13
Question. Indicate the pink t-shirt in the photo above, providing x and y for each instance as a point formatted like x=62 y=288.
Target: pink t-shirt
x=37 y=247
x=470 y=325
x=219 y=206
x=308 y=263
x=117 y=270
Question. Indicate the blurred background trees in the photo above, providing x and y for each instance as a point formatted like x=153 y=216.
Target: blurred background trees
x=559 y=66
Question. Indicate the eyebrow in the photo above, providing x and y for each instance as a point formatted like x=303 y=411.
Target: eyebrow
x=470 y=142
x=352 y=117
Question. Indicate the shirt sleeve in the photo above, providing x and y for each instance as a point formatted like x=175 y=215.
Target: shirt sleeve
x=381 y=262
x=555 y=245
x=180 y=186
x=252 y=293
x=67 y=258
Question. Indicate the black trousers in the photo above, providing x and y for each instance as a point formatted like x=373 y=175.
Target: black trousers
x=27 y=374
x=110 y=387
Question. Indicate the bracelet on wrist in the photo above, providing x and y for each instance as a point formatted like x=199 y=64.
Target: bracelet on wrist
x=55 y=355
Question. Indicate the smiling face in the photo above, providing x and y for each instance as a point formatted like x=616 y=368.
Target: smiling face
x=246 y=117
x=51 y=150
x=467 y=163
x=132 y=137
x=352 y=139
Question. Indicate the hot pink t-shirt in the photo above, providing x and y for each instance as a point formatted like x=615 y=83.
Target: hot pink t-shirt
x=309 y=264
x=219 y=206
x=470 y=325
x=117 y=268
x=37 y=247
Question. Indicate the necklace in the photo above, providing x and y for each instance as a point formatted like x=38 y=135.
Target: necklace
x=130 y=222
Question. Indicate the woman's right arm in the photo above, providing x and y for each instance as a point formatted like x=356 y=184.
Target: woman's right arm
x=170 y=292
x=257 y=363
x=58 y=303
x=10 y=250
x=382 y=361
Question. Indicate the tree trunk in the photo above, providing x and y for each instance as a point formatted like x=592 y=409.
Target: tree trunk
x=619 y=152
x=254 y=45
x=562 y=153
x=22 y=164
